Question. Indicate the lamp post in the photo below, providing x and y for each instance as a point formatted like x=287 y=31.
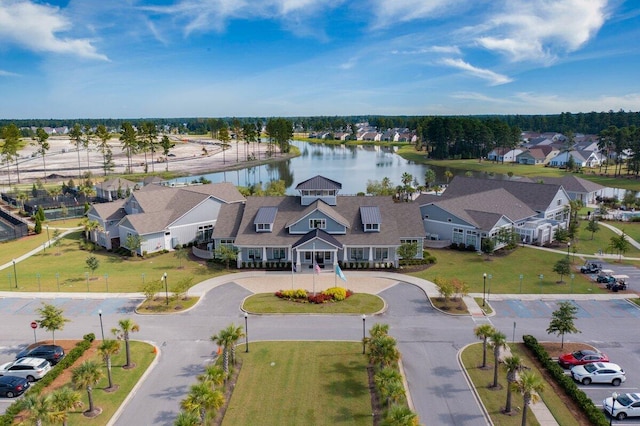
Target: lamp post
x=541 y=277
x=484 y=287
x=101 y=327
x=364 y=335
x=166 y=289
x=521 y=277
x=614 y=397
x=15 y=274
x=572 y=277
x=568 y=248
x=246 y=332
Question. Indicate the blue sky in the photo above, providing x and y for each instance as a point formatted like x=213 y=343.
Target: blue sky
x=220 y=58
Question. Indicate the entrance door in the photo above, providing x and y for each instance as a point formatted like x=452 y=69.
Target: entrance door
x=320 y=258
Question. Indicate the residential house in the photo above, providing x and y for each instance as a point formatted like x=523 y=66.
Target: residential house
x=471 y=210
x=577 y=188
x=114 y=189
x=504 y=155
x=163 y=217
x=540 y=155
x=319 y=226
x=580 y=159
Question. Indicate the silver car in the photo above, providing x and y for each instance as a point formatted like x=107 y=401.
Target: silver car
x=598 y=372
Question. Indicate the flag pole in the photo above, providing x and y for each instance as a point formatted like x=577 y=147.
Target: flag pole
x=335 y=277
x=313 y=265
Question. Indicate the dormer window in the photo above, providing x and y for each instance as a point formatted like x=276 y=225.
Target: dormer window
x=265 y=218
x=371 y=218
x=317 y=224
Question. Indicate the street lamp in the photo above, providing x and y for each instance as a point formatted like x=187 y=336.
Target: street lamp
x=166 y=288
x=101 y=327
x=15 y=274
x=541 y=277
x=568 y=248
x=521 y=277
x=246 y=332
x=364 y=335
x=614 y=397
x=484 y=287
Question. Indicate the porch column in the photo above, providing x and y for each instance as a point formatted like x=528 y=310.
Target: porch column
x=335 y=258
x=344 y=254
x=264 y=254
x=370 y=259
x=298 y=264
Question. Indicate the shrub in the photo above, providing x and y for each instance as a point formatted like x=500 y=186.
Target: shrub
x=89 y=337
x=336 y=293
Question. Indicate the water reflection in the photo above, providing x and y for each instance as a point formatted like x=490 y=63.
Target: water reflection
x=350 y=165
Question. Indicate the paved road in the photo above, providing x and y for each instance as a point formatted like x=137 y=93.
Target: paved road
x=428 y=340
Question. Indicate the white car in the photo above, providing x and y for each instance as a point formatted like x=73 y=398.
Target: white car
x=626 y=405
x=29 y=368
x=598 y=372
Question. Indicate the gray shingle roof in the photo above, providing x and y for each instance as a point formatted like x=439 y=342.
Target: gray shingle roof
x=536 y=196
x=370 y=215
x=109 y=211
x=573 y=183
x=266 y=215
x=401 y=220
x=319 y=182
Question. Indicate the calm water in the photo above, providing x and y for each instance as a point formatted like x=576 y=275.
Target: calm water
x=352 y=166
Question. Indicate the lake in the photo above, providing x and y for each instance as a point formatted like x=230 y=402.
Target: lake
x=352 y=166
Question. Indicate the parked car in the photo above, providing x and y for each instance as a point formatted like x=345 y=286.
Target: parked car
x=591 y=267
x=11 y=386
x=581 y=357
x=52 y=353
x=626 y=405
x=598 y=372
x=29 y=368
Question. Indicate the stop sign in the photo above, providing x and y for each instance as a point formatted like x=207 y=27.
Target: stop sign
x=34 y=325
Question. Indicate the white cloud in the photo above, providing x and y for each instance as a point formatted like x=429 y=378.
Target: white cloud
x=4 y=73
x=390 y=12
x=431 y=49
x=493 y=78
x=36 y=27
x=539 y=30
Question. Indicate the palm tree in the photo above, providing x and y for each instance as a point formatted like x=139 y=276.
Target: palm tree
x=383 y=351
x=235 y=334
x=379 y=330
x=513 y=365
x=530 y=386
x=448 y=175
x=107 y=349
x=76 y=136
x=483 y=332
x=86 y=376
x=385 y=381
x=127 y=326
x=498 y=342
x=186 y=418
x=202 y=398
x=39 y=409
x=224 y=340
x=64 y=400
x=400 y=415
x=213 y=374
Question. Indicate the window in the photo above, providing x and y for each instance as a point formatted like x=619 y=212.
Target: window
x=278 y=253
x=204 y=233
x=254 y=254
x=381 y=253
x=457 y=236
x=317 y=223
x=263 y=227
x=226 y=242
x=356 y=253
x=369 y=227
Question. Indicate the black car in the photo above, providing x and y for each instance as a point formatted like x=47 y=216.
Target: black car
x=11 y=386
x=52 y=353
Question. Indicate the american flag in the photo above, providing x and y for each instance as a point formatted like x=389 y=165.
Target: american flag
x=316 y=267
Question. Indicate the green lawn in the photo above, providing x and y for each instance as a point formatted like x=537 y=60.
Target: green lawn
x=118 y=273
x=359 y=303
x=301 y=383
x=505 y=272
x=494 y=400
x=602 y=238
x=142 y=355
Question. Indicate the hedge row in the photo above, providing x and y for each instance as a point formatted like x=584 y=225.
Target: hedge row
x=595 y=415
x=81 y=347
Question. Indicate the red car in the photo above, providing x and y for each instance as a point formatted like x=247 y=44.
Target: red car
x=582 y=357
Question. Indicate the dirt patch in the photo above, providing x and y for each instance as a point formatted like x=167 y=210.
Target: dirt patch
x=65 y=377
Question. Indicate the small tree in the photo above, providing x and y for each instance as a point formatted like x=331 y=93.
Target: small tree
x=529 y=386
x=226 y=254
x=445 y=288
x=180 y=254
x=562 y=267
x=65 y=399
x=92 y=263
x=562 y=320
x=513 y=365
x=133 y=243
x=561 y=235
x=107 y=349
x=51 y=319
x=620 y=243
x=150 y=289
x=593 y=226
x=408 y=251
x=498 y=342
x=127 y=327
x=181 y=287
